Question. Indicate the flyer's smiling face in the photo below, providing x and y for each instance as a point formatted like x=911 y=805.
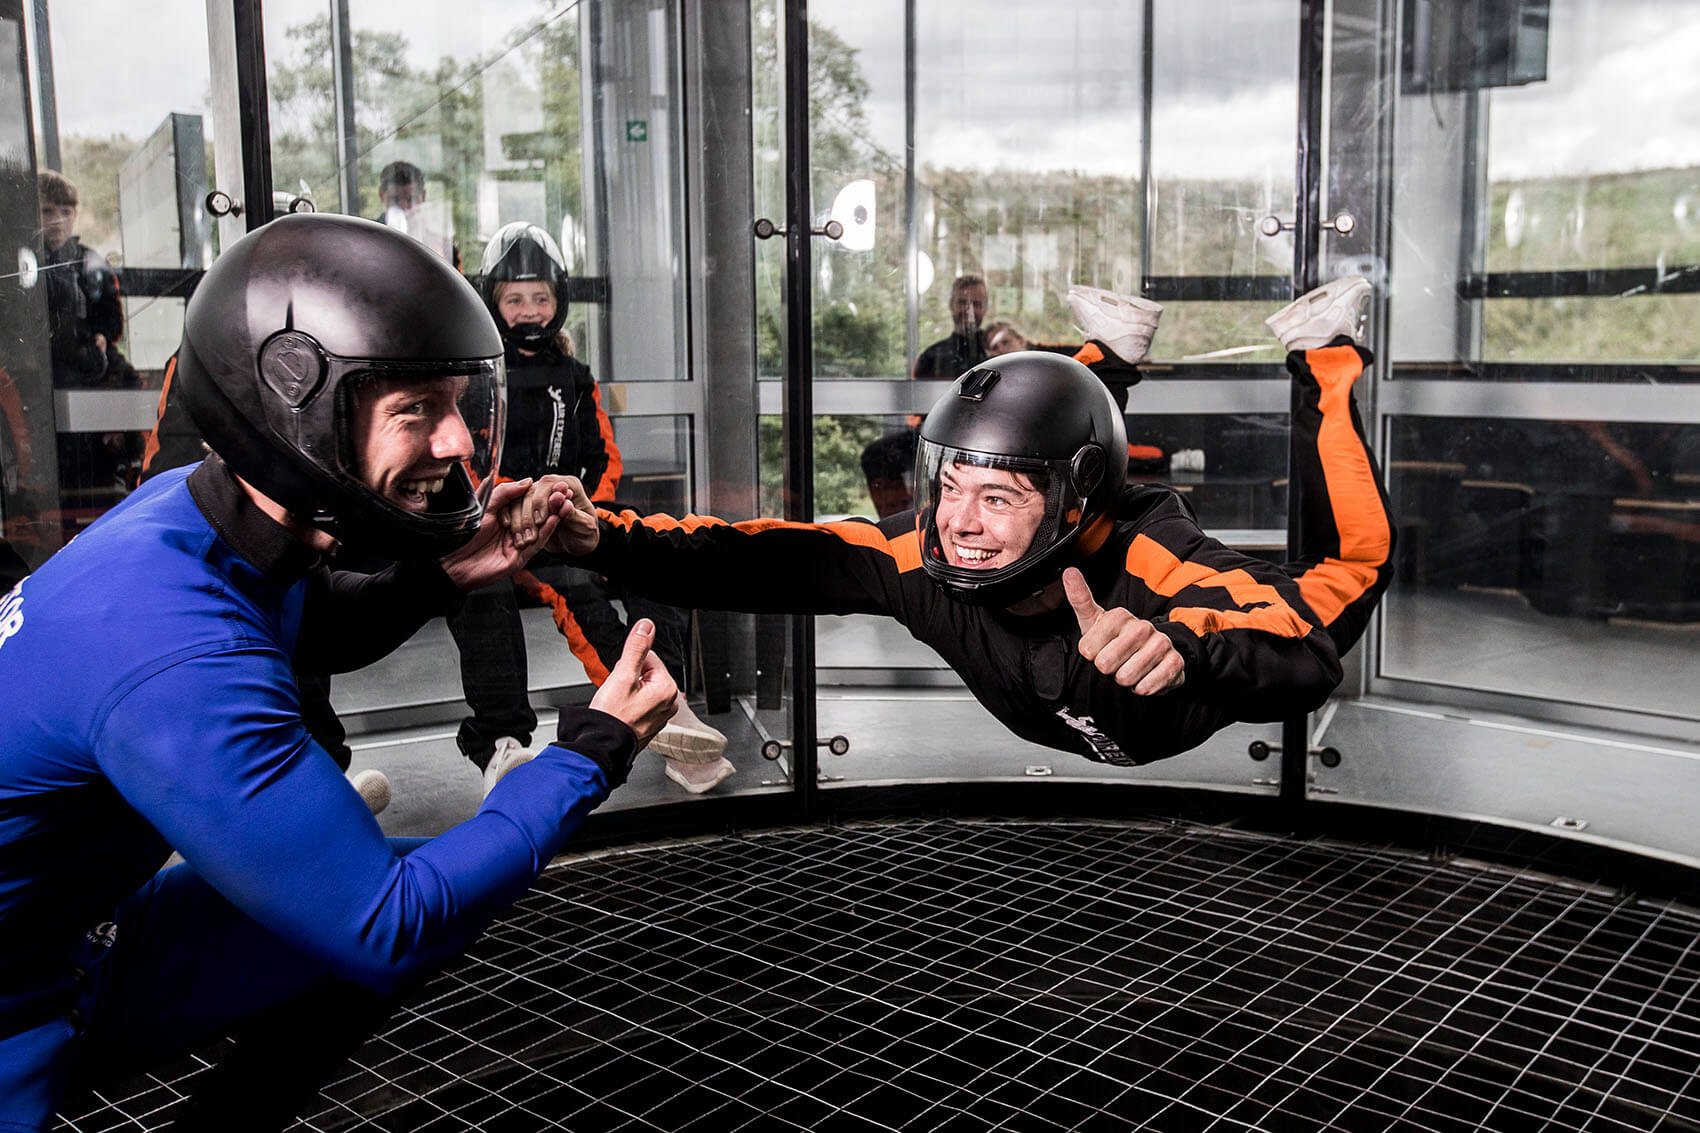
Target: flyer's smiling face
x=986 y=517
x=410 y=435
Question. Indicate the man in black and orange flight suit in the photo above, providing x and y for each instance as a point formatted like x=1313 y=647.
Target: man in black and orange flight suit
x=1086 y=613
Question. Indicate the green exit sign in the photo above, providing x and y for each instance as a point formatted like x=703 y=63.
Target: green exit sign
x=637 y=130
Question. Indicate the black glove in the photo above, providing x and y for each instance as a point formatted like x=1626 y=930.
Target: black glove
x=605 y=740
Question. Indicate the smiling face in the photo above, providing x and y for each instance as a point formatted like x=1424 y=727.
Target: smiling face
x=531 y=301
x=409 y=435
x=986 y=517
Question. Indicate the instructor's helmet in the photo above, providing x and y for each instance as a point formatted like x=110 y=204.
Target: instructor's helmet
x=521 y=253
x=1045 y=417
x=290 y=324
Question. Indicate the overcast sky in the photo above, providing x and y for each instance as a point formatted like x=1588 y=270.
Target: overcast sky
x=1007 y=83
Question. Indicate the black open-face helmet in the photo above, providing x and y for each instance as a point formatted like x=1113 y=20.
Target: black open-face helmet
x=520 y=253
x=296 y=322
x=1051 y=426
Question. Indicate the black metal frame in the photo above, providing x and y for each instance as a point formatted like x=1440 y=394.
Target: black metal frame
x=1635 y=875
x=799 y=436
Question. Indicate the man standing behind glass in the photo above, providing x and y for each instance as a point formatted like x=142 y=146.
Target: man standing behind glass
x=401 y=188
x=889 y=462
x=966 y=347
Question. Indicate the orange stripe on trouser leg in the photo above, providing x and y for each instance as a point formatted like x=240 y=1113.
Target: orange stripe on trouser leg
x=1360 y=520
x=577 y=643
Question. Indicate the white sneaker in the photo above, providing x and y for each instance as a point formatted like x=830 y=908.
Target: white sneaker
x=1124 y=323
x=698 y=777
x=373 y=787
x=689 y=741
x=1318 y=317
x=509 y=754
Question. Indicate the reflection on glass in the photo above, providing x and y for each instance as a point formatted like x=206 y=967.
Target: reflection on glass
x=1222 y=128
x=1027 y=153
x=1597 y=167
x=841 y=487
x=134 y=150
x=1231 y=468
x=1586 y=328
x=1213 y=336
x=1026 y=185
x=1578 y=204
x=1554 y=559
x=465 y=117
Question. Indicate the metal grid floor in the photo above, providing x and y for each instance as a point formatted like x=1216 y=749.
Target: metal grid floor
x=953 y=975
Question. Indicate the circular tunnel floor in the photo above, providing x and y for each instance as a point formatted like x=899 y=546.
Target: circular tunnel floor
x=956 y=975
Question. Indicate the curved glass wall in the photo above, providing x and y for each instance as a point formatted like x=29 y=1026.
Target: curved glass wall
x=1523 y=198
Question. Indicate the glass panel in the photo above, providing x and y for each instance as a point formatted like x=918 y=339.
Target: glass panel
x=1568 y=194
x=1027 y=152
x=1027 y=176
x=1223 y=115
x=1566 y=545
x=29 y=476
x=109 y=239
x=1571 y=193
x=462 y=119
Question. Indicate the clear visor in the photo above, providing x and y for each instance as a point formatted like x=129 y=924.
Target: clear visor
x=986 y=512
x=427 y=439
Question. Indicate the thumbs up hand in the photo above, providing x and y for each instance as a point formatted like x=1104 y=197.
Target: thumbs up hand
x=1122 y=646
x=640 y=690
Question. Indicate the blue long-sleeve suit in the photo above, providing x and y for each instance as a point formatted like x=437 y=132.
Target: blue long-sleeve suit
x=149 y=705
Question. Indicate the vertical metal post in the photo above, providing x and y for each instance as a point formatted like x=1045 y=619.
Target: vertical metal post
x=47 y=100
x=1471 y=259
x=912 y=277
x=799 y=378
x=598 y=178
x=1307 y=217
x=1307 y=180
x=253 y=111
x=342 y=82
x=1148 y=190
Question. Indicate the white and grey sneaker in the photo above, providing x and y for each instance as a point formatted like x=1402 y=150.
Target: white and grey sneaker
x=509 y=754
x=1318 y=317
x=689 y=741
x=373 y=786
x=1124 y=323
x=698 y=777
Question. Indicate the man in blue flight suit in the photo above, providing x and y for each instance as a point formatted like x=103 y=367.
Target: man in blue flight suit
x=350 y=385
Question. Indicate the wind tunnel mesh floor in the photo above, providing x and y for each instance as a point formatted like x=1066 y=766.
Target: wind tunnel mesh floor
x=950 y=975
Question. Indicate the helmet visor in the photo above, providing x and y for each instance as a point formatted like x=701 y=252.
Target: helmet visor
x=986 y=515
x=424 y=440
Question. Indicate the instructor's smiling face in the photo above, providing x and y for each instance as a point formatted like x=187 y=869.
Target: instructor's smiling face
x=986 y=517
x=410 y=434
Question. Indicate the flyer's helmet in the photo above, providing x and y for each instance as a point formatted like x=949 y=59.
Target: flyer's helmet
x=521 y=253
x=301 y=318
x=1028 y=444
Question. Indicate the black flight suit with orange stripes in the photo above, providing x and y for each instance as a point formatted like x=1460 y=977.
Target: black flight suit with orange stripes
x=1260 y=642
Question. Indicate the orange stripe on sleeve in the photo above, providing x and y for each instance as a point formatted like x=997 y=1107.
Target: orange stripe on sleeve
x=905 y=549
x=1167 y=575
